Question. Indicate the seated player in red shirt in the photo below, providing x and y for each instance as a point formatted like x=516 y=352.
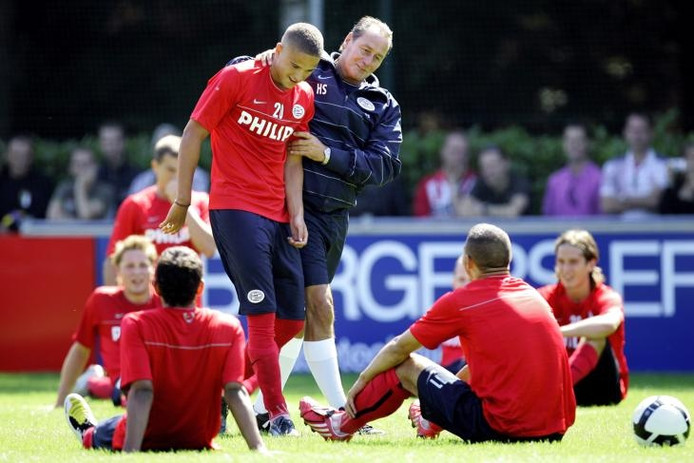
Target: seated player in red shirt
x=176 y=362
x=591 y=318
x=516 y=385
x=99 y=330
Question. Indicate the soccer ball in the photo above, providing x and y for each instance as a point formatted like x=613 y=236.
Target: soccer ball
x=661 y=420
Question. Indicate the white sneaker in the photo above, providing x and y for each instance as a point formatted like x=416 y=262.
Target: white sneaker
x=93 y=371
x=79 y=415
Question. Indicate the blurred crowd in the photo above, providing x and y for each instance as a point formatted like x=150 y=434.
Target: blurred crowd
x=636 y=183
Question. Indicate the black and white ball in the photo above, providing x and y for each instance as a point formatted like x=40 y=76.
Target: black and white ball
x=661 y=420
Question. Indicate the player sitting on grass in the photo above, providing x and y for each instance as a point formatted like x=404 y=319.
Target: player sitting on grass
x=516 y=385
x=176 y=361
x=591 y=318
x=99 y=329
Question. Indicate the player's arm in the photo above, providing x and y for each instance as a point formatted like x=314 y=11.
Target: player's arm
x=240 y=406
x=140 y=397
x=188 y=158
x=109 y=272
x=200 y=233
x=293 y=182
x=74 y=363
x=464 y=373
x=392 y=354
x=595 y=327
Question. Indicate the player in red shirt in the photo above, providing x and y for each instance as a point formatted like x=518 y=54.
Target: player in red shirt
x=256 y=208
x=142 y=212
x=591 y=318
x=177 y=361
x=100 y=326
x=516 y=385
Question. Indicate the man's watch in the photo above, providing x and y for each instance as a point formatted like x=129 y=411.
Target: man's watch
x=326 y=153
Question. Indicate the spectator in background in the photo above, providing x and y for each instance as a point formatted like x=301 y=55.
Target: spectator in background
x=82 y=196
x=201 y=179
x=574 y=190
x=591 y=318
x=498 y=192
x=24 y=191
x=115 y=169
x=142 y=212
x=441 y=193
x=633 y=183
x=678 y=198
x=98 y=333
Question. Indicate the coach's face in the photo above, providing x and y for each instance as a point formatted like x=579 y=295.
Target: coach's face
x=362 y=56
x=135 y=272
x=291 y=66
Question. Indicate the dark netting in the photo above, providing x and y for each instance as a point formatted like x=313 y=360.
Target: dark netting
x=495 y=63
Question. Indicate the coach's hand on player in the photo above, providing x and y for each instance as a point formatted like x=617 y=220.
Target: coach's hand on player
x=299 y=236
x=308 y=146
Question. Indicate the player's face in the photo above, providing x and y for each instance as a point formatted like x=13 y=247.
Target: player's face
x=165 y=170
x=135 y=272
x=291 y=66
x=572 y=268
x=362 y=56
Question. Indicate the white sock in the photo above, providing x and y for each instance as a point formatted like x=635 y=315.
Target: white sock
x=288 y=355
x=321 y=357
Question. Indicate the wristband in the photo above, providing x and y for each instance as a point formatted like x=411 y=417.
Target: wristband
x=181 y=205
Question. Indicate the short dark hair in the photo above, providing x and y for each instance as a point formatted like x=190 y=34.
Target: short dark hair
x=178 y=276
x=305 y=37
x=489 y=247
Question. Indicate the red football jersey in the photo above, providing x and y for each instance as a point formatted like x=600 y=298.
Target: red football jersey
x=100 y=325
x=599 y=301
x=250 y=120
x=518 y=364
x=142 y=212
x=189 y=355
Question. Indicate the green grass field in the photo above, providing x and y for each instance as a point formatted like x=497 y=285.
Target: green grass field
x=31 y=430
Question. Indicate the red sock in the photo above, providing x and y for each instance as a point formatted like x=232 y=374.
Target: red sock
x=264 y=355
x=382 y=396
x=285 y=330
x=582 y=361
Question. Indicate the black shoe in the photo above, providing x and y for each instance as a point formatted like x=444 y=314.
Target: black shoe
x=263 y=422
x=282 y=426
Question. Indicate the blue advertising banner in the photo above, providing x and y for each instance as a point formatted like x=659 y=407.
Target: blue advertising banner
x=387 y=279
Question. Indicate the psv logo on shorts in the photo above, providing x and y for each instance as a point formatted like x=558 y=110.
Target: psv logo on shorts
x=255 y=296
x=115 y=333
